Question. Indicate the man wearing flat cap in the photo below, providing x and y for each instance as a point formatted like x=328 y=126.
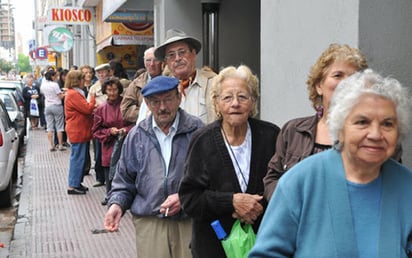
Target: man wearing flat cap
x=103 y=72
x=149 y=172
x=179 y=53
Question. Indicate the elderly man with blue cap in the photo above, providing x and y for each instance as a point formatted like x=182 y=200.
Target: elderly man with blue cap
x=149 y=173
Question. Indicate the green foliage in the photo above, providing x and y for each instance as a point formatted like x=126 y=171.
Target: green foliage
x=5 y=65
x=23 y=63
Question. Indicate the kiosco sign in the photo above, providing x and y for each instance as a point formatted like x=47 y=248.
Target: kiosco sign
x=69 y=15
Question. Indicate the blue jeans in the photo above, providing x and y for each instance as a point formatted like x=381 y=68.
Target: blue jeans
x=77 y=162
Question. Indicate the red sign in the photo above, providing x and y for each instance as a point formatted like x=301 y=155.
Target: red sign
x=70 y=15
x=41 y=53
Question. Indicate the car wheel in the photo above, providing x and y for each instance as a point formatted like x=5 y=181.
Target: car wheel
x=6 y=196
x=14 y=172
x=20 y=150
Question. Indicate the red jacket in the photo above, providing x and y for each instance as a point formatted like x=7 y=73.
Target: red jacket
x=79 y=116
x=108 y=115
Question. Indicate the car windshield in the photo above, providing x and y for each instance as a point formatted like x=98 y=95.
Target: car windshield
x=8 y=102
x=11 y=84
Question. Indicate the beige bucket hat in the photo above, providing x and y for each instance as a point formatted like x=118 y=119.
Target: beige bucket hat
x=175 y=35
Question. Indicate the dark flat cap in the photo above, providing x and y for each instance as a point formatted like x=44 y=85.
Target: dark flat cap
x=159 y=84
x=175 y=35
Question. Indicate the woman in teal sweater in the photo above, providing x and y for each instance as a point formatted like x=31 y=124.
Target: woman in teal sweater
x=352 y=200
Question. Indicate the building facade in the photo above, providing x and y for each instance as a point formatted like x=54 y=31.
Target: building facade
x=279 y=40
x=7 y=39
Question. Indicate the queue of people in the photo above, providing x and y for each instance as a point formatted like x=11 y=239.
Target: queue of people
x=193 y=151
x=235 y=163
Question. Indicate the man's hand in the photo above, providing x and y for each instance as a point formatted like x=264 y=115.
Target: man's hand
x=112 y=218
x=171 y=205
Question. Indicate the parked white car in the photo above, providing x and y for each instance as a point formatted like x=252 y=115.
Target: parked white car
x=15 y=113
x=9 y=145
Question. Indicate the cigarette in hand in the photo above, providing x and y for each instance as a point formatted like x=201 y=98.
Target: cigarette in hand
x=167 y=211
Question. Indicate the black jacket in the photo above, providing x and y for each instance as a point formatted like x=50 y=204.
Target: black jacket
x=206 y=191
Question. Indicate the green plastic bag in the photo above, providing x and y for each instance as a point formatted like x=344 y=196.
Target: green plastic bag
x=240 y=241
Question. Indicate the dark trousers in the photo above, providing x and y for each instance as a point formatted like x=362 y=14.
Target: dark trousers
x=42 y=117
x=56 y=141
x=98 y=161
x=108 y=181
x=87 y=164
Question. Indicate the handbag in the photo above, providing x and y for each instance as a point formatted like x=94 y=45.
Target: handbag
x=34 y=108
x=240 y=240
x=114 y=158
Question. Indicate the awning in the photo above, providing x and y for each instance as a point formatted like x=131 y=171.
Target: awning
x=105 y=43
x=121 y=40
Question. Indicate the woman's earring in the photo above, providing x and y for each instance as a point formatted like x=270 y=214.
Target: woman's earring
x=319 y=108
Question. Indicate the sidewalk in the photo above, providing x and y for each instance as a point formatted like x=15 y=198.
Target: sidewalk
x=51 y=223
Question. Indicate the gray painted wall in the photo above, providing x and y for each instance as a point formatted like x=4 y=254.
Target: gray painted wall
x=185 y=15
x=239 y=28
x=294 y=33
x=240 y=34
x=385 y=36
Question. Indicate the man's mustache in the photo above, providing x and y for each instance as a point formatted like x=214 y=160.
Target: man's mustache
x=164 y=112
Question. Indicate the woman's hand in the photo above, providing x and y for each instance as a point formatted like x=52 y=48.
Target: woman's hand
x=116 y=131
x=34 y=96
x=247 y=207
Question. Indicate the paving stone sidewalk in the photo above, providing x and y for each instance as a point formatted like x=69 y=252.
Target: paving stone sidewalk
x=51 y=223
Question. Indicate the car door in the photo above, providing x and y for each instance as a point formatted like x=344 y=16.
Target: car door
x=9 y=143
x=15 y=114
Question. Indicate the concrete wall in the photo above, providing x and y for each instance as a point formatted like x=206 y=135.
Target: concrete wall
x=239 y=28
x=385 y=36
x=185 y=15
x=294 y=33
x=239 y=35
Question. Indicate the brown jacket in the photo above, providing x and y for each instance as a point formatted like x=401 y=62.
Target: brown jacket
x=132 y=98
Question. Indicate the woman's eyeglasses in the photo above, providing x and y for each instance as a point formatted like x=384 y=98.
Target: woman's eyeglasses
x=241 y=98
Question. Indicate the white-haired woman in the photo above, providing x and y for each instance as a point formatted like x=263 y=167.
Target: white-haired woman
x=352 y=200
x=226 y=162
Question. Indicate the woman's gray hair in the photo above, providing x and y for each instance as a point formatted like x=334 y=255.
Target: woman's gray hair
x=349 y=91
x=27 y=77
x=241 y=72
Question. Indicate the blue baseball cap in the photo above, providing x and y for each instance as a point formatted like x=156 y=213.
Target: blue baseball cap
x=159 y=84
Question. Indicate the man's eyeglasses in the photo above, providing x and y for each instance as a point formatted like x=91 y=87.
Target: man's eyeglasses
x=150 y=60
x=157 y=102
x=241 y=98
x=173 y=54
